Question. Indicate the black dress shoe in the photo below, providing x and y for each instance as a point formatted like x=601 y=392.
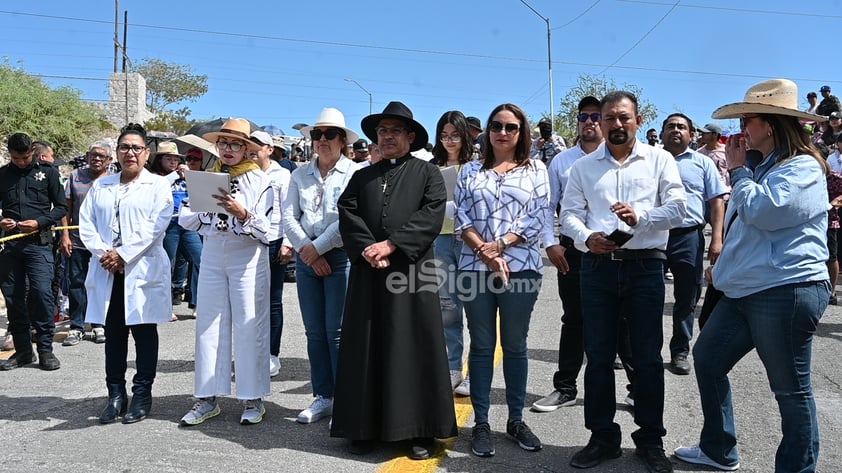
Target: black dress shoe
x=17 y=360
x=680 y=365
x=422 y=448
x=138 y=409
x=361 y=447
x=593 y=454
x=47 y=361
x=655 y=459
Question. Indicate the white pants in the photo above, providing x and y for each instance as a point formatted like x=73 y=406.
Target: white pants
x=233 y=300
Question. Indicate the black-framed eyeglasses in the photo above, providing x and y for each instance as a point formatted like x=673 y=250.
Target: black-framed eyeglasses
x=498 y=127
x=383 y=131
x=124 y=148
x=316 y=134
x=583 y=117
x=232 y=146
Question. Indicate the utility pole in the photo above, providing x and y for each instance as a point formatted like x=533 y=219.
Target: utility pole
x=116 y=32
x=549 y=57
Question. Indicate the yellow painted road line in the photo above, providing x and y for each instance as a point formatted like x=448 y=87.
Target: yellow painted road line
x=464 y=409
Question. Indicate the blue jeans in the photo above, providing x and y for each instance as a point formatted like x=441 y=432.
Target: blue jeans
x=20 y=261
x=447 y=249
x=77 y=271
x=186 y=242
x=610 y=290
x=277 y=272
x=322 y=303
x=483 y=297
x=685 y=257
x=779 y=323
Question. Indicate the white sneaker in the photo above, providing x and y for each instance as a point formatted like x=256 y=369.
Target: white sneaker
x=274 y=366
x=320 y=408
x=695 y=455
x=98 y=335
x=253 y=411
x=203 y=409
x=455 y=378
x=73 y=338
x=464 y=388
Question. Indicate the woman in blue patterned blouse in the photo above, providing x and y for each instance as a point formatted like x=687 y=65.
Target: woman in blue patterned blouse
x=502 y=203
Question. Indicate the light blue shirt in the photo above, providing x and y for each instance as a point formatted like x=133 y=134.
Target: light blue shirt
x=702 y=182
x=310 y=213
x=780 y=234
x=494 y=205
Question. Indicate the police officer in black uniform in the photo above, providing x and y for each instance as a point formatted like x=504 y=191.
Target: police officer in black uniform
x=32 y=201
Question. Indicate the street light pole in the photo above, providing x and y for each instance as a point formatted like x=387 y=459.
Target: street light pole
x=549 y=56
x=364 y=90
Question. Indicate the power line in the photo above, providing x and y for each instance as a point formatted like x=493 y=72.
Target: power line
x=580 y=15
x=641 y=38
x=740 y=10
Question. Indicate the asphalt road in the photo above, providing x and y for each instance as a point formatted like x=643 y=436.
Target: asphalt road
x=48 y=420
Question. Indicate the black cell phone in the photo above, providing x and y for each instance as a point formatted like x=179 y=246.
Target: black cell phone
x=620 y=237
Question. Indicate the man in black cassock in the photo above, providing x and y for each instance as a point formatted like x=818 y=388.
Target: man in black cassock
x=393 y=381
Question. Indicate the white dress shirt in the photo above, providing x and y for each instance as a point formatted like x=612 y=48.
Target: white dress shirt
x=648 y=180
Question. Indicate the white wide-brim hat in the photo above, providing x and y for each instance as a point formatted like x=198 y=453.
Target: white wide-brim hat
x=771 y=97
x=333 y=118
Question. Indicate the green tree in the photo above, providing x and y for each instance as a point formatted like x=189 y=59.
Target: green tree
x=169 y=83
x=177 y=122
x=598 y=86
x=59 y=115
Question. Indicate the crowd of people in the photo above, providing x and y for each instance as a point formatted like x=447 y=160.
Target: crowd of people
x=370 y=224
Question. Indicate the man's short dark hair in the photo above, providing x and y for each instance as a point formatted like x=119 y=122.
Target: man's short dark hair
x=681 y=115
x=19 y=143
x=651 y=130
x=618 y=95
x=40 y=147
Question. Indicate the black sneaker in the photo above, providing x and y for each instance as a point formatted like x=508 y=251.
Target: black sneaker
x=553 y=401
x=17 y=360
x=519 y=431
x=47 y=361
x=655 y=459
x=680 y=365
x=593 y=454
x=481 y=442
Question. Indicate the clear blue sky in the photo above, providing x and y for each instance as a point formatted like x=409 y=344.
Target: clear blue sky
x=281 y=62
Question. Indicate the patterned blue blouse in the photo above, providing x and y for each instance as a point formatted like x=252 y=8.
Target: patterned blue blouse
x=517 y=202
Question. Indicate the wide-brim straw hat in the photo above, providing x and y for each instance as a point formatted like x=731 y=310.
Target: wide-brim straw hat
x=771 y=97
x=331 y=117
x=401 y=112
x=236 y=128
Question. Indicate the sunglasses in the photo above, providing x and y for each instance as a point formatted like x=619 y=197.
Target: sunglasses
x=745 y=119
x=498 y=127
x=316 y=134
x=583 y=117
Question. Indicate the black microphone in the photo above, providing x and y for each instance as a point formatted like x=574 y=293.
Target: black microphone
x=225 y=168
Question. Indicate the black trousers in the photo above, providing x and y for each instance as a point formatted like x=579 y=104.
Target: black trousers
x=117 y=343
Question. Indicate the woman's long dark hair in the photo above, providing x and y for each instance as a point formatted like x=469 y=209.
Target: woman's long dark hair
x=791 y=139
x=524 y=139
x=457 y=119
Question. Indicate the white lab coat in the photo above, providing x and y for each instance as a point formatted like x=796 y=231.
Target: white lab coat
x=145 y=213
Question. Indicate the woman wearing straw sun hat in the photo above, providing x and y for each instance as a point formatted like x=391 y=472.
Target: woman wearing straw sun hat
x=773 y=274
x=311 y=224
x=233 y=289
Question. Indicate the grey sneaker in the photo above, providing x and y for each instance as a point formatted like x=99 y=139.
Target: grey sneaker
x=98 y=335
x=73 y=338
x=320 y=408
x=253 y=411
x=553 y=401
x=203 y=409
x=696 y=456
x=464 y=388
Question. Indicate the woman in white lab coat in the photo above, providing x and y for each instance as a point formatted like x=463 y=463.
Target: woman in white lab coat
x=122 y=223
x=233 y=292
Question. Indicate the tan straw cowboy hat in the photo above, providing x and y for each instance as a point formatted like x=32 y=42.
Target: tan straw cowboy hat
x=237 y=128
x=771 y=97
